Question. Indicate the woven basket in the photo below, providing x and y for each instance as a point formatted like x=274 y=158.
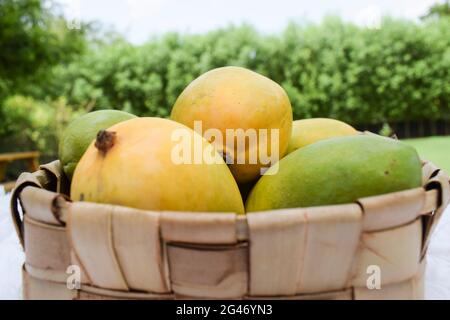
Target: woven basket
x=305 y=253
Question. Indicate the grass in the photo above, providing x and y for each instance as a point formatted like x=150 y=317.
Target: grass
x=434 y=149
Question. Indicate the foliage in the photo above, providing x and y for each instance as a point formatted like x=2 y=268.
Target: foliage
x=31 y=124
x=32 y=39
x=398 y=72
x=438 y=10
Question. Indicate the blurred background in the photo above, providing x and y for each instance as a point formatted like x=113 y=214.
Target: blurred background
x=383 y=66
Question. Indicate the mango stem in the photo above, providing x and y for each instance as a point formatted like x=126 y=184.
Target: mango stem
x=105 y=141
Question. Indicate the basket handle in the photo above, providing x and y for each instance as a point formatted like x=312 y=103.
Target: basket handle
x=25 y=180
x=42 y=178
x=440 y=182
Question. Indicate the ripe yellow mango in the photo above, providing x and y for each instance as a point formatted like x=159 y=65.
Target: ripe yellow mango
x=237 y=98
x=132 y=164
x=308 y=131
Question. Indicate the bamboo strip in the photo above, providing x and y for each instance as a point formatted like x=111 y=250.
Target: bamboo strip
x=46 y=245
x=90 y=232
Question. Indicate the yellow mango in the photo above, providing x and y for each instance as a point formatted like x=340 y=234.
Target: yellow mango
x=234 y=98
x=308 y=131
x=132 y=164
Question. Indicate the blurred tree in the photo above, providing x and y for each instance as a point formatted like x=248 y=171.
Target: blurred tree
x=399 y=72
x=395 y=73
x=33 y=38
x=438 y=10
x=31 y=124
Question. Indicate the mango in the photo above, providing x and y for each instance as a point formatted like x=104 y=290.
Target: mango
x=336 y=171
x=79 y=134
x=308 y=131
x=236 y=98
x=132 y=164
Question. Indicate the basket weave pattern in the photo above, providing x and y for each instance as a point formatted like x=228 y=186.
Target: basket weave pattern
x=303 y=253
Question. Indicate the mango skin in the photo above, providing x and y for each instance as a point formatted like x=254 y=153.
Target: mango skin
x=337 y=171
x=308 y=131
x=236 y=98
x=138 y=172
x=80 y=133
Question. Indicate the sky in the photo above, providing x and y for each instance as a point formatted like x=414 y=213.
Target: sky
x=138 y=20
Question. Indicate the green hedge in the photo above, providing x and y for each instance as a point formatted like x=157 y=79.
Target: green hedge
x=398 y=72
x=34 y=125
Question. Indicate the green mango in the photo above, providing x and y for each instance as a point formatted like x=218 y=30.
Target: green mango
x=336 y=171
x=77 y=137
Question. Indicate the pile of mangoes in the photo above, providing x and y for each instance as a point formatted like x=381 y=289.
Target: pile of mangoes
x=230 y=140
